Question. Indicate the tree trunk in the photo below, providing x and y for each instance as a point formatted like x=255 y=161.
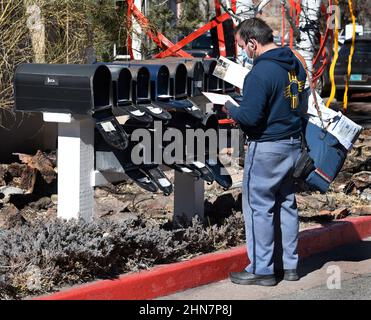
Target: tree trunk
x=137 y=34
x=245 y=9
x=36 y=25
x=308 y=22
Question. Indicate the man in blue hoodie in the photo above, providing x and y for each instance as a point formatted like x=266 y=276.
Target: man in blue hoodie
x=269 y=115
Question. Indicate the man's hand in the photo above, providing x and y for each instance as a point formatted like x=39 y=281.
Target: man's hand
x=225 y=110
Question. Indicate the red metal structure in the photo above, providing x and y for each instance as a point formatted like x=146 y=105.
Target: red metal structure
x=156 y=36
x=326 y=56
x=169 y=48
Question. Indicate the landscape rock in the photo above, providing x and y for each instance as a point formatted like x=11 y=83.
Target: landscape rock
x=2 y=175
x=366 y=195
x=340 y=213
x=361 y=210
x=362 y=179
x=41 y=204
x=40 y=162
x=6 y=191
x=10 y=217
x=109 y=205
x=54 y=198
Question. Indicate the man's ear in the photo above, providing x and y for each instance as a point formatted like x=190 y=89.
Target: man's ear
x=252 y=44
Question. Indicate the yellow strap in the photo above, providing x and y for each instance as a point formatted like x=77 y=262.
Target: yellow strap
x=350 y=54
x=336 y=55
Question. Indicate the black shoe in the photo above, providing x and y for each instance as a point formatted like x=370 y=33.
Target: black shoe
x=291 y=275
x=287 y=274
x=247 y=278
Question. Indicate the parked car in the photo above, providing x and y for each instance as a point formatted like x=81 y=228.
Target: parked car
x=360 y=78
x=201 y=46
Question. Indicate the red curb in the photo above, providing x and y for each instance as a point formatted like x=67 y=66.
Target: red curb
x=338 y=233
x=167 y=279
x=160 y=280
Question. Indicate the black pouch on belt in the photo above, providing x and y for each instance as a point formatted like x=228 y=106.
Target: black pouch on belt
x=304 y=166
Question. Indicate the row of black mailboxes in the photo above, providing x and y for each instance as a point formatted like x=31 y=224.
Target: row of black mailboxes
x=84 y=89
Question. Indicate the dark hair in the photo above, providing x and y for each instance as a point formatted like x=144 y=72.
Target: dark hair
x=255 y=28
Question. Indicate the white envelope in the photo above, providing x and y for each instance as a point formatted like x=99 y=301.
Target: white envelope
x=221 y=99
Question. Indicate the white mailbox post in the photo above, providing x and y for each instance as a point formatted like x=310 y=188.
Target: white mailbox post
x=75 y=164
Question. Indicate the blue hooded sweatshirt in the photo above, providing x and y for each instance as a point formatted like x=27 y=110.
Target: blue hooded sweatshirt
x=269 y=109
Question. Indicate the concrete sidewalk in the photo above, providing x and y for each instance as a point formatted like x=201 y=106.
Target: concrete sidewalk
x=319 y=279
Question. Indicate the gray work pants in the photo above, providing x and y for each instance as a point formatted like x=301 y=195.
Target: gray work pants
x=269 y=205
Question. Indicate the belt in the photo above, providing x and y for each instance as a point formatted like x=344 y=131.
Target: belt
x=296 y=136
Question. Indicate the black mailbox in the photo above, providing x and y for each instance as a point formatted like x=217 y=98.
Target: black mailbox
x=227 y=87
x=195 y=77
x=62 y=88
x=160 y=82
x=177 y=75
x=211 y=83
x=147 y=175
x=122 y=84
x=178 y=80
x=141 y=86
x=160 y=78
x=178 y=87
x=124 y=87
x=145 y=85
x=195 y=74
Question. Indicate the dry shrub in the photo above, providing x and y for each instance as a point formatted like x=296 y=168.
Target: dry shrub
x=55 y=31
x=40 y=258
